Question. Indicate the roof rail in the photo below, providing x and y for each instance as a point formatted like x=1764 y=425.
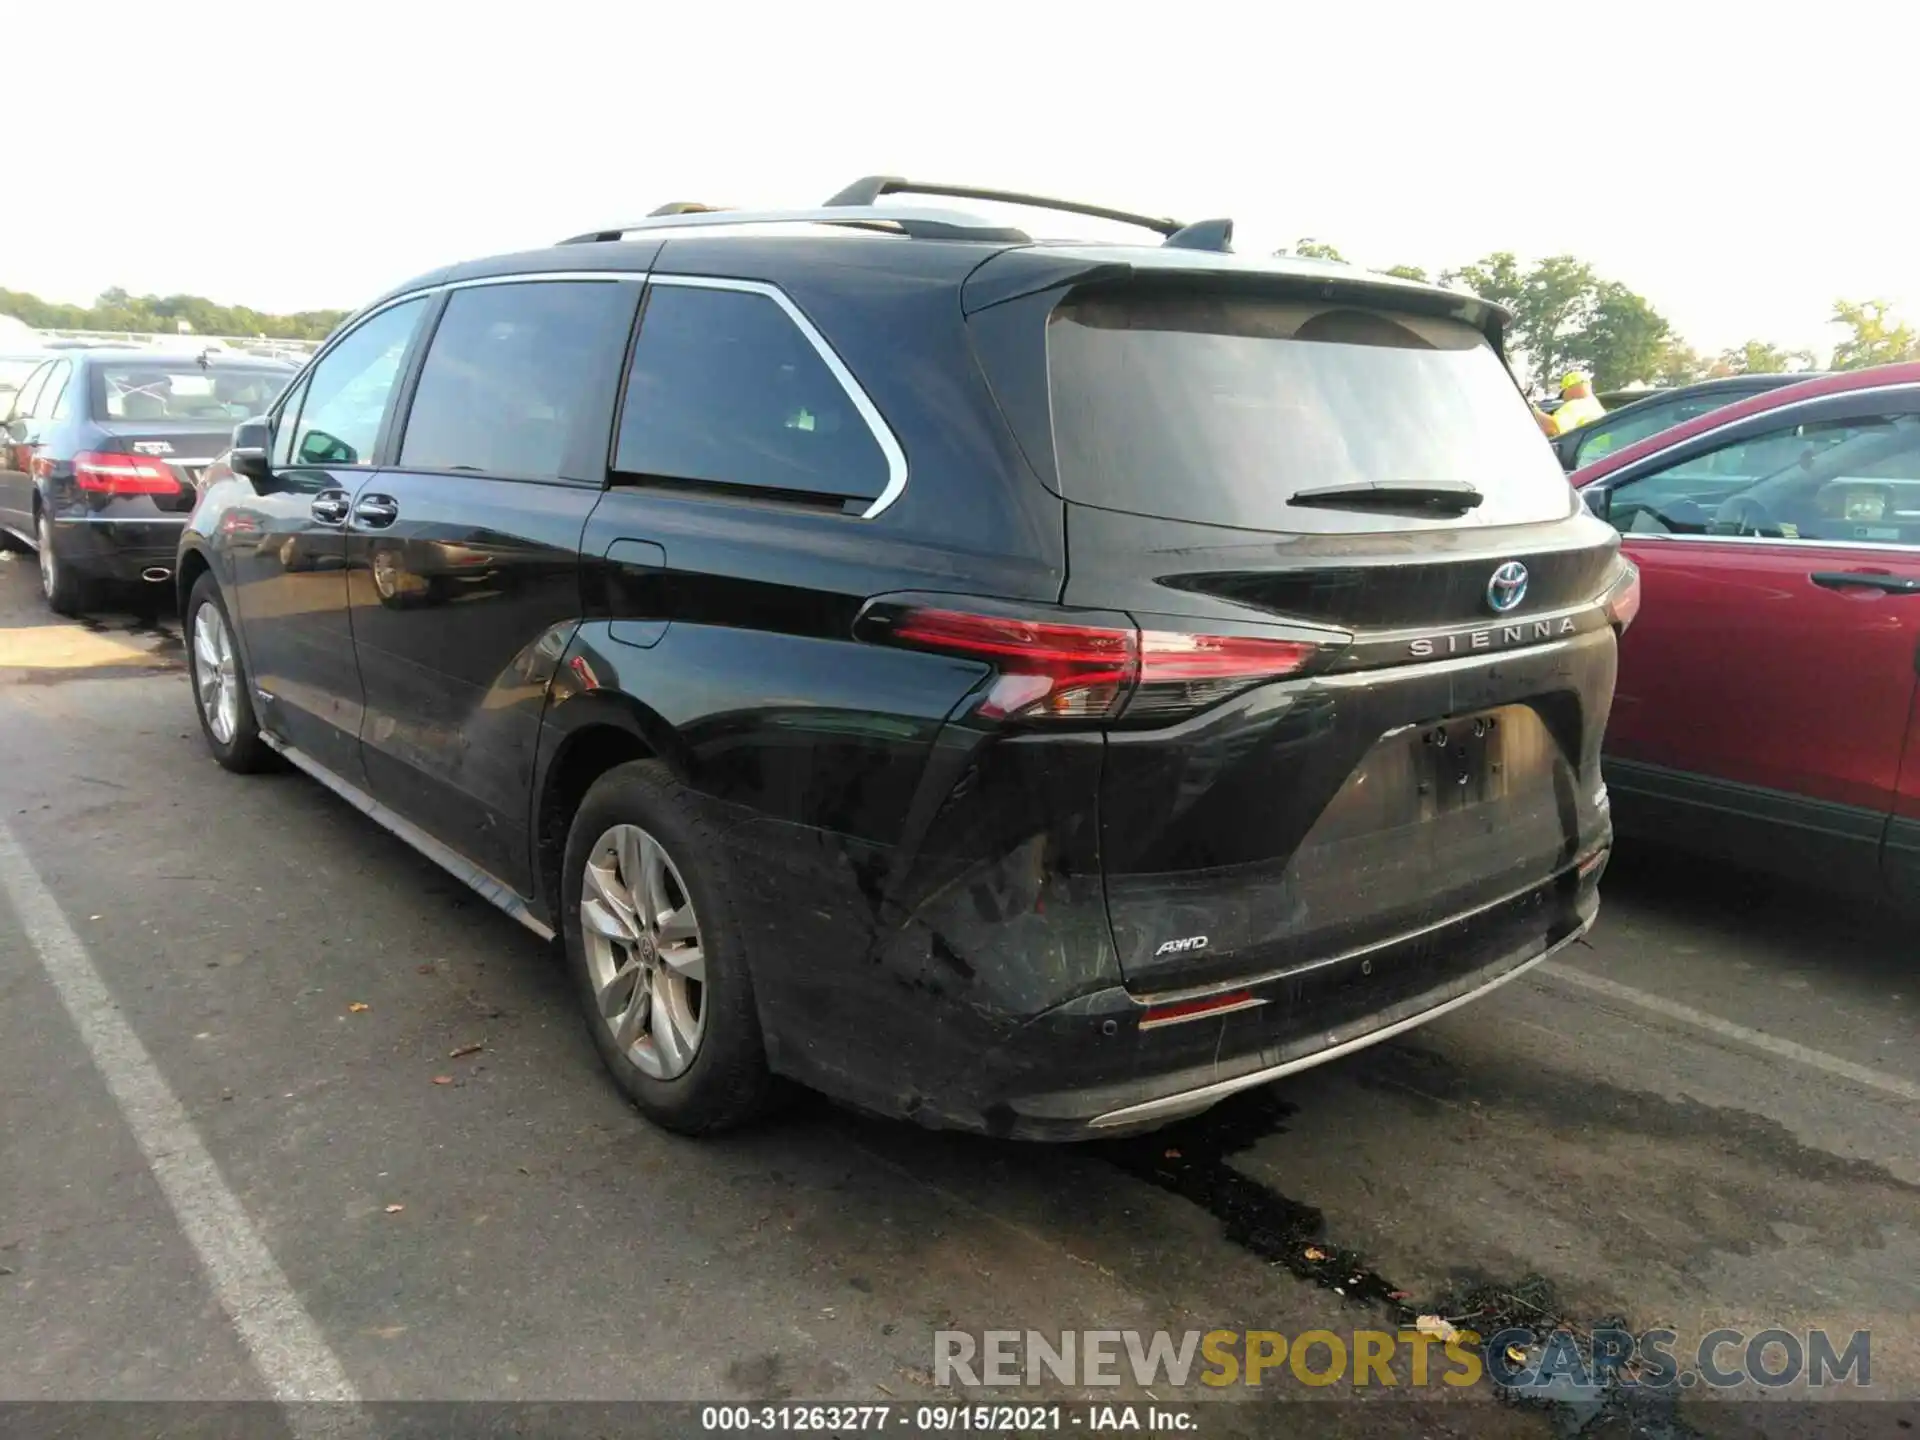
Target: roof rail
x=868 y=189
x=926 y=224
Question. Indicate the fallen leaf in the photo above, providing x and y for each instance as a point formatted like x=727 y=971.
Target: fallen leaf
x=474 y=1049
x=1399 y=1294
x=1516 y=1355
x=1437 y=1327
x=1314 y=1252
x=355 y=1007
x=389 y=1332
x=395 y=1209
x=443 y=1079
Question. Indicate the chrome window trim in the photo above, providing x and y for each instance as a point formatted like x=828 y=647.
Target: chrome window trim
x=1905 y=387
x=631 y=277
x=882 y=433
x=1626 y=535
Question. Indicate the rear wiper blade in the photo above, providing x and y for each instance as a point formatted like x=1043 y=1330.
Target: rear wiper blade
x=1449 y=496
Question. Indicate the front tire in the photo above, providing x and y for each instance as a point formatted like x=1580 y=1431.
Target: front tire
x=65 y=592
x=222 y=694
x=657 y=956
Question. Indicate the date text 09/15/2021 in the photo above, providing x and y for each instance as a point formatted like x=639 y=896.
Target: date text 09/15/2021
x=948 y=1419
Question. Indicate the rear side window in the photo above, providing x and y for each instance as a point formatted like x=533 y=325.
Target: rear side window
x=1216 y=409
x=726 y=389
x=511 y=370
x=1603 y=437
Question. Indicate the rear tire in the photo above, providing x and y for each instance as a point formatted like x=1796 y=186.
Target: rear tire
x=688 y=1052
x=65 y=592
x=222 y=691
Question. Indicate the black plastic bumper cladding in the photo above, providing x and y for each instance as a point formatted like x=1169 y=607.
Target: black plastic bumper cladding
x=1310 y=818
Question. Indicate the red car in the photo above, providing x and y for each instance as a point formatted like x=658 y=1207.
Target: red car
x=1766 y=706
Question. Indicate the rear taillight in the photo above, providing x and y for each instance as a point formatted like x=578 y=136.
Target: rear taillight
x=1181 y=673
x=1047 y=670
x=106 y=474
x=1051 y=670
x=1623 y=600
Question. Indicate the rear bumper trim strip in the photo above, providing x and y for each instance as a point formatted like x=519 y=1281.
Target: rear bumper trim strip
x=1169 y=1107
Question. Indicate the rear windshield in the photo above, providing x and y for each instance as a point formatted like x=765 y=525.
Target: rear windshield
x=144 y=390
x=1217 y=409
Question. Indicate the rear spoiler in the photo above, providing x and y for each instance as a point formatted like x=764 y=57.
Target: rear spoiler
x=1024 y=271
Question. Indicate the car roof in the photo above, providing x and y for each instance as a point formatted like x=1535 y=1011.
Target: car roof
x=1838 y=383
x=950 y=242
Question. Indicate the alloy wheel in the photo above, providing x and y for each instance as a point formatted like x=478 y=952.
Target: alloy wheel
x=215 y=674
x=645 y=955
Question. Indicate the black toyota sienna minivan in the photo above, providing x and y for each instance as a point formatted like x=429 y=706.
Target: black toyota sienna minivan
x=1036 y=688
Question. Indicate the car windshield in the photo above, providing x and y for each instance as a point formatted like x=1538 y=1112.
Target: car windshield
x=1219 y=409
x=183 y=390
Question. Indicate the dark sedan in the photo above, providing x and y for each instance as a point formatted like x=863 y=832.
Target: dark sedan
x=1660 y=410
x=101 y=452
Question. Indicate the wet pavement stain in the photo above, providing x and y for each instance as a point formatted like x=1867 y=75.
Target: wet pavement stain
x=1192 y=1159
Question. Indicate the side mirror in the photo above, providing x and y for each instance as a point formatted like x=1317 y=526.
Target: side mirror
x=252 y=443
x=1598 y=501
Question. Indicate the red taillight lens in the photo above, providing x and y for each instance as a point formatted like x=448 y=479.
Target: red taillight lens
x=1182 y=673
x=1623 y=600
x=105 y=474
x=1052 y=670
x=1047 y=670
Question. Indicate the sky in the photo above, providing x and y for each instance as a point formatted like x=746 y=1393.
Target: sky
x=293 y=156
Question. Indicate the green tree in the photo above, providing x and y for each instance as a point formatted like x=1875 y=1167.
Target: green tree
x=1556 y=302
x=115 y=309
x=1876 y=339
x=1623 y=341
x=1406 y=272
x=1496 y=277
x=1311 y=249
x=1678 y=363
x=1757 y=357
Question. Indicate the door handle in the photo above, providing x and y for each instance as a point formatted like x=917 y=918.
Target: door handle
x=1873 y=579
x=376 y=512
x=329 y=507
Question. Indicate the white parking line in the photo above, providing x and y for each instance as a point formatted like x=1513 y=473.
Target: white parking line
x=285 y=1345
x=1727 y=1030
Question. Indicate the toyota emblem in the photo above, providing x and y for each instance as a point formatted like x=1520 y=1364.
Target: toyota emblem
x=1507 y=588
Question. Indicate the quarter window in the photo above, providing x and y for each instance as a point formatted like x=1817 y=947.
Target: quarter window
x=1840 y=480
x=52 y=392
x=512 y=370
x=29 y=392
x=348 y=391
x=726 y=389
x=284 y=425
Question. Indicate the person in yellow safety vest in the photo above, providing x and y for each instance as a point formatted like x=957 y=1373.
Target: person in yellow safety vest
x=1577 y=404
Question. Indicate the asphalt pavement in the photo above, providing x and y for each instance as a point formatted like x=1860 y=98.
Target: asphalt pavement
x=286 y=1108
